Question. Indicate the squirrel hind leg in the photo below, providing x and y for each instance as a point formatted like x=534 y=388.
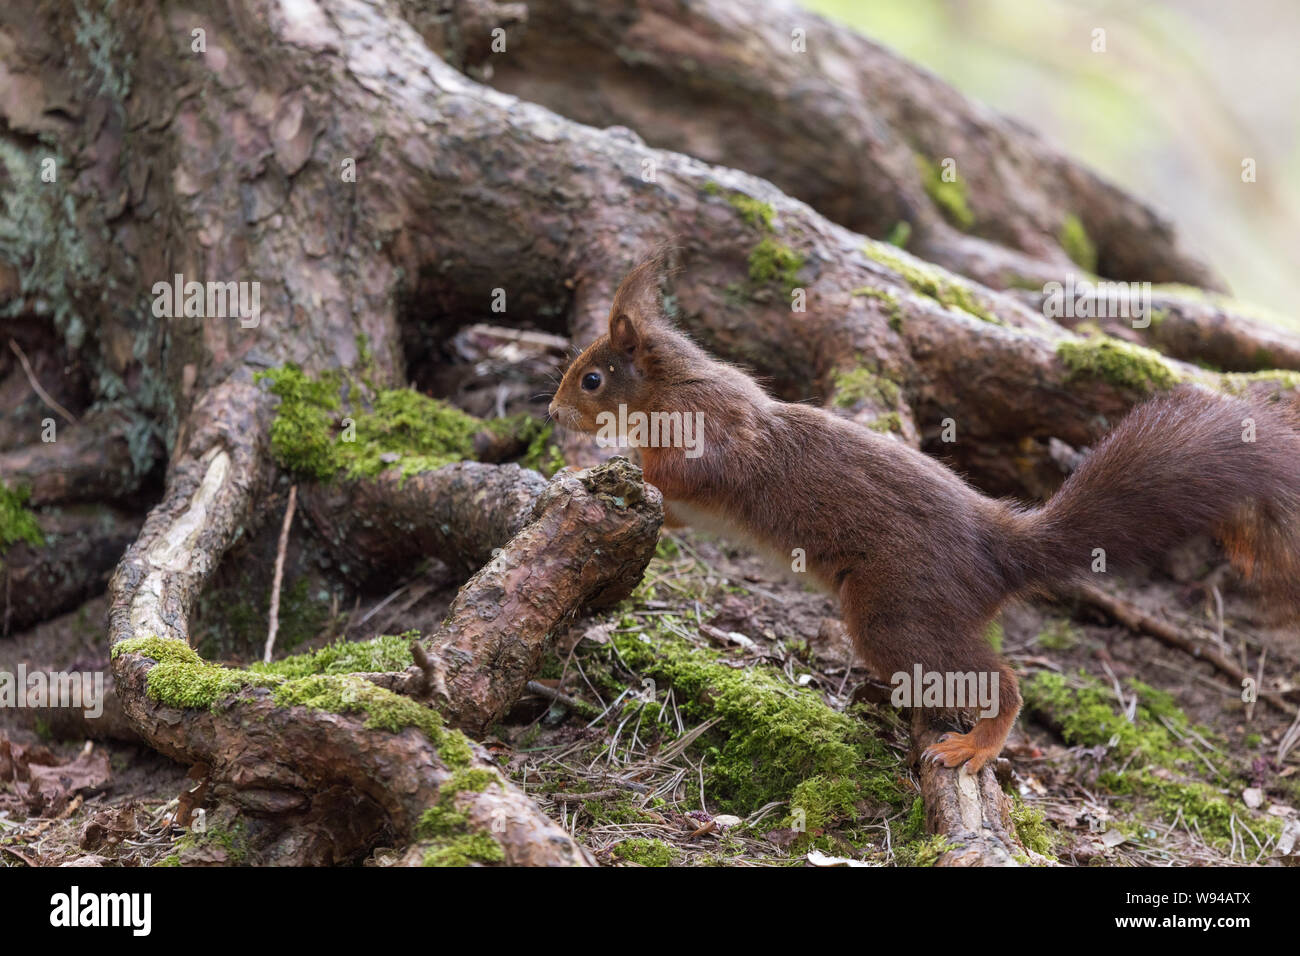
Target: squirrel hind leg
x=985 y=740
x=973 y=749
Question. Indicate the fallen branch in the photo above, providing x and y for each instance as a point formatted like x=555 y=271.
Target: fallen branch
x=1139 y=622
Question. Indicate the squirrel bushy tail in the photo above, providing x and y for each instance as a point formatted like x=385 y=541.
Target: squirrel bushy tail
x=1184 y=463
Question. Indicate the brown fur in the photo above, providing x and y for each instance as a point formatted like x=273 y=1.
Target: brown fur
x=921 y=561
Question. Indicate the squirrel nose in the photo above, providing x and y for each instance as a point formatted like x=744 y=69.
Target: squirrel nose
x=551 y=408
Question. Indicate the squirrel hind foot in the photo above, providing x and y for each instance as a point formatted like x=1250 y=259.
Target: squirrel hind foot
x=953 y=750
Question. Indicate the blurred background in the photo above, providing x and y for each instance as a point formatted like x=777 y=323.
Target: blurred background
x=1185 y=90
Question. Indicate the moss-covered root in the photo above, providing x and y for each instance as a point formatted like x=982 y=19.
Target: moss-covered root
x=316 y=436
x=304 y=749
x=17 y=523
x=1133 y=367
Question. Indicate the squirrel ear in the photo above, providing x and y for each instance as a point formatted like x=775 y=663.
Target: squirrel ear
x=624 y=335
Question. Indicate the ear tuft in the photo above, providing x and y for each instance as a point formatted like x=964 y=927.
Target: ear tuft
x=624 y=335
x=638 y=294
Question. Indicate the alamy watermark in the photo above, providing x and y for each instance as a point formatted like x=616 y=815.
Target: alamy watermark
x=651 y=430
x=1085 y=299
x=208 y=300
x=81 y=690
x=956 y=690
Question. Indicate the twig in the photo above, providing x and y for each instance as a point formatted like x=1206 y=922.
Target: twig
x=1259 y=681
x=1142 y=623
x=707 y=828
x=581 y=706
x=36 y=386
x=279 y=574
x=593 y=795
x=1289 y=740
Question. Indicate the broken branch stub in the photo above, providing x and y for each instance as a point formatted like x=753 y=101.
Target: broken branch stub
x=591 y=536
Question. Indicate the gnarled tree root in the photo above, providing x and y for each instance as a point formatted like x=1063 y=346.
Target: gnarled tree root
x=313 y=787
x=311 y=781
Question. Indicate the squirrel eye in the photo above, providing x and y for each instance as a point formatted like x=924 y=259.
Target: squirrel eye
x=591 y=381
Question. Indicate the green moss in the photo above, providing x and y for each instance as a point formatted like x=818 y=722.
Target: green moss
x=1212 y=812
x=1086 y=715
x=385 y=710
x=900 y=234
x=17 y=523
x=1076 y=243
x=543 y=454
x=950 y=197
x=444 y=827
x=1032 y=829
x=1241 y=383
x=854 y=386
x=232 y=839
x=1150 y=763
x=924 y=852
x=1058 y=636
x=891 y=303
x=824 y=800
x=646 y=852
x=930 y=281
x=620 y=812
x=304 y=435
x=1252 y=741
x=425 y=432
x=995 y=635
x=755 y=212
x=197 y=685
x=402 y=429
x=772 y=261
x=399 y=429
x=465 y=850
x=771 y=738
x=914 y=827
x=886 y=423
x=389 y=652
x=183 y=679
x=1121 y=363
x=161 y=649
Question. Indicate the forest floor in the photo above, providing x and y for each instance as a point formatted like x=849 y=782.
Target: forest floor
x=717 y=718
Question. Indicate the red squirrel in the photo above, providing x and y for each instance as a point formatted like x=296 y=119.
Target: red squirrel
x=920 y=560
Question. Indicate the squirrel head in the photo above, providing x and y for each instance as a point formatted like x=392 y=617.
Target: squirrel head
x=633 y=364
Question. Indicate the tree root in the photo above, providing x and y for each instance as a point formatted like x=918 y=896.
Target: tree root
x=320 y=769
x=970 y=811
x=82 y=545
x=591 y=537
